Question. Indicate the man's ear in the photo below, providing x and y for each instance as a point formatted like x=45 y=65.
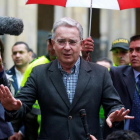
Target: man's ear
x=30 y=54
x=82 y=44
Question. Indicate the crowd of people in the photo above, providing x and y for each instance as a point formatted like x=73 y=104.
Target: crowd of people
x=40 y=98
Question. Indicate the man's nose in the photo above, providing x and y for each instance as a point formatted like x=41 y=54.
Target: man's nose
x=134 y=52
x=67 y=45
x=18 y=55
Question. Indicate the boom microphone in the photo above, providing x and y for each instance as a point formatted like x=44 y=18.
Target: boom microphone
x=83 y=114
x=10 y=25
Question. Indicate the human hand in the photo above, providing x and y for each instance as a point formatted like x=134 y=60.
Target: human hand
x=16 y=136
x=88 y=45
x=118 y=115
x=7 y=100
x=92 y=137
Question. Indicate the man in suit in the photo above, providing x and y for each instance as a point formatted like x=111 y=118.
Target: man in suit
x=120 y=56
x=64 y=87
x=125 y=81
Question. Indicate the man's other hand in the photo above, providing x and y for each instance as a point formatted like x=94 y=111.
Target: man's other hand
x=118 y=115
x=16 y=136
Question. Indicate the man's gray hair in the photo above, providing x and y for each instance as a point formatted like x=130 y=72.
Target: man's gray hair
x=66 y=21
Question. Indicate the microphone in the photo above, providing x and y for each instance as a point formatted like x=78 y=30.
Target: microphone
x=83 y=114
x=10 y=25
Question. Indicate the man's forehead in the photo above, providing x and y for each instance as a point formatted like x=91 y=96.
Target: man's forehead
x=19 y=46
x=18 y=49
x=134 y=47
x=67 y=32
x=135 y=43
x=60 y=29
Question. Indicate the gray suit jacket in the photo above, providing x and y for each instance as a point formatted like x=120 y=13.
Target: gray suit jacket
x=94 y=87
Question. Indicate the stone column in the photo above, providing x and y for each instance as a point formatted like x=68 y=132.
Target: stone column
x=104 y=28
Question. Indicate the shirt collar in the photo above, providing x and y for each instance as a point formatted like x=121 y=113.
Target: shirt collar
x=136 y=73
x=17 y=71
x=74 y=69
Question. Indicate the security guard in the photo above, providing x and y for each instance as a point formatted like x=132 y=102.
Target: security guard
x=120 y=53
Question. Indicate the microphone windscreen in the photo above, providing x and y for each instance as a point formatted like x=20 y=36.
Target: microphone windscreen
x=10 y=25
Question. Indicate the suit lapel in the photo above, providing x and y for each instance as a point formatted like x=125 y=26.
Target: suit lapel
x=129 y=80
x=14 y=83
x=57 y=81
x=82 y=82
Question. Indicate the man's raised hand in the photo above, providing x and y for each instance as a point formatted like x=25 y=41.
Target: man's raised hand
x=7 y=100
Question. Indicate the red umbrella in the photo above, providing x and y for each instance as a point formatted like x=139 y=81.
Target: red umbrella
x=104 y=4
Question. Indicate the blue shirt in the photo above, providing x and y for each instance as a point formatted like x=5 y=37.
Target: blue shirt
x=70 y=80
x=136 y=73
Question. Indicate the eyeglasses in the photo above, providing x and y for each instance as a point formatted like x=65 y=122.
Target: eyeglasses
x=131 y=50
x=63 y=42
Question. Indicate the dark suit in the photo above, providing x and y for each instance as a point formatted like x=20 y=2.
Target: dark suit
x=60 y=119
x=6 y=129
x=124 y=82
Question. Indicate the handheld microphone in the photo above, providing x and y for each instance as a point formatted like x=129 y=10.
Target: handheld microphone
x=83 y=114
x=10 y=25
